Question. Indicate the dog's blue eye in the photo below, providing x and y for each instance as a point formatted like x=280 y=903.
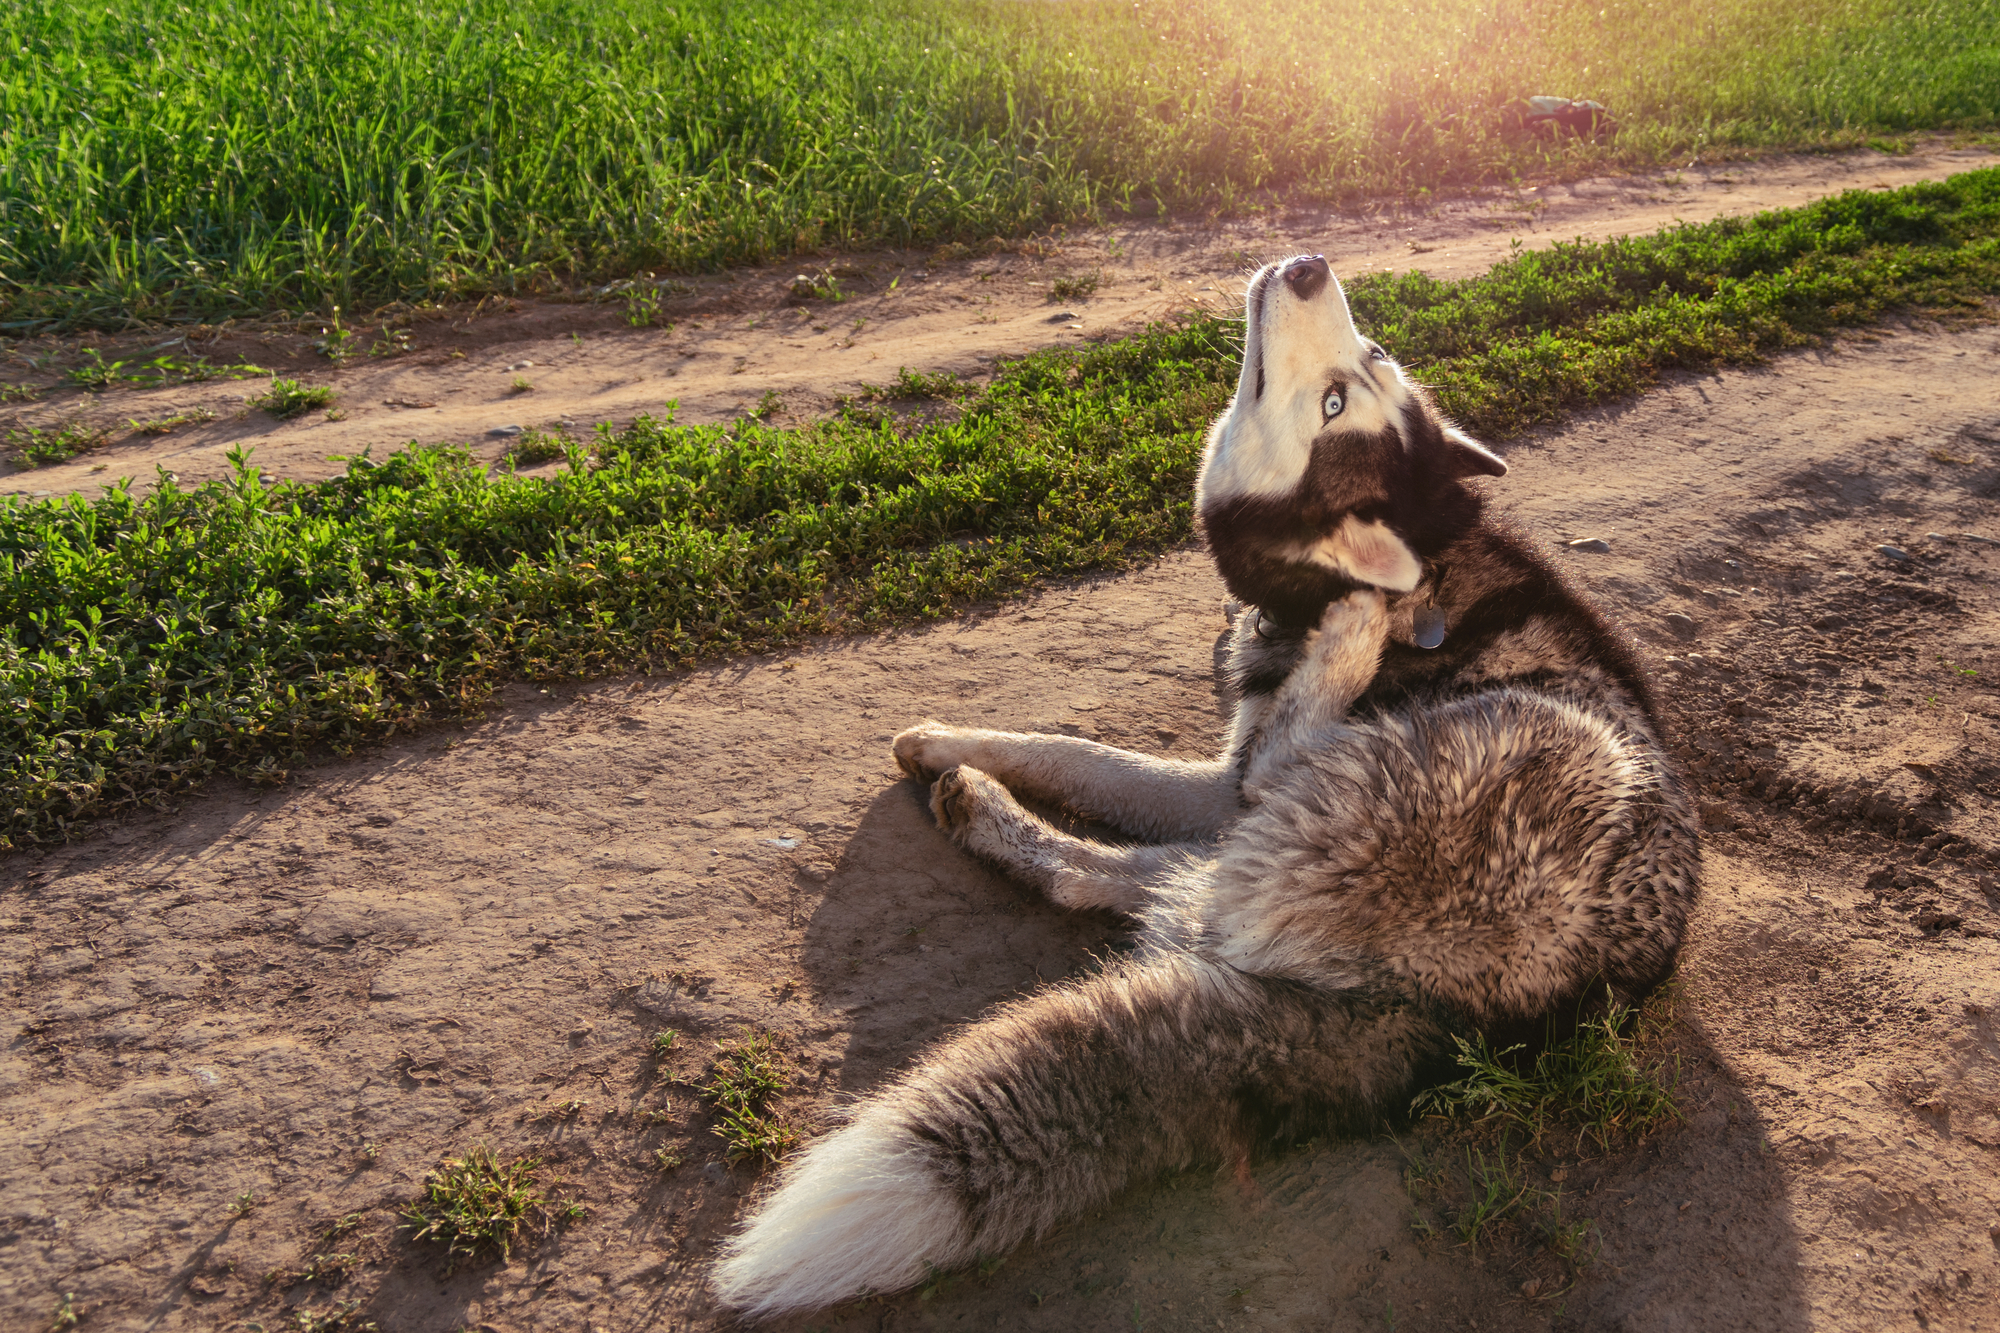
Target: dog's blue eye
x=1379 y=355
x=1332 y=405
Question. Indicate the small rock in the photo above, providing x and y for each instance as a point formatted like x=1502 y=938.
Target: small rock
x=1983 y=541
x=1936 y=537
x=1065 y=315
x=1893 y=552
x=1596 y=545
x=1843 y=573
x=1682 y=625
x=504 y=431
x=520 y=365
x=1830 y=622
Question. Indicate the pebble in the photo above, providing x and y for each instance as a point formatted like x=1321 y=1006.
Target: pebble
x=1893 y=552
x=520 y=365
x=1594 y=544
x=1983 y=541
x=1067 y=314
x=1843 y=573
x=1936 y=537
x=504 y=430
x=1680 y=624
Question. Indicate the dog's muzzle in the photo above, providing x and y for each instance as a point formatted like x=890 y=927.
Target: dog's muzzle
x=1307 y=276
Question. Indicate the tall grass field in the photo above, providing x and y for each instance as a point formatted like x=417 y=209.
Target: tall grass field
x=167 y=160
x=150 y=639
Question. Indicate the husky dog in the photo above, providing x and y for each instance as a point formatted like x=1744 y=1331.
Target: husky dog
x=1442 y=807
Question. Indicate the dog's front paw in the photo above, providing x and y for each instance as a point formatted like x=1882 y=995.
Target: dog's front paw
x=1361 y=613
x=923 y=751
x=959 y=794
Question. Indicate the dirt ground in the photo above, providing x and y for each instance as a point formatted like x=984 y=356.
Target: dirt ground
x=309 y=995
x=723 y=343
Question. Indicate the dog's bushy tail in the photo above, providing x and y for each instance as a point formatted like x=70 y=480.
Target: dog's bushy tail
x=1057 y=1102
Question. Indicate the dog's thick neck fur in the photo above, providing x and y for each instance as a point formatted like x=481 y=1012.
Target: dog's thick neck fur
x=1302 y=505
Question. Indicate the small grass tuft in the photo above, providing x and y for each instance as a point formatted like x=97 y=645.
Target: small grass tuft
x=663 y=1042
x=665 y=1160
x=341 y=1318
x=1594 y=1081
x=916 y=384
x=37 y=446
x=168 y=424
x=476 y=1205
x=288 y=398
x=821 y=286
x=745 y=1076
x=66 y=1316
x=94 y=372
x=521 y=384
x=18 y=393
x=1075 y=286
x=534 y=447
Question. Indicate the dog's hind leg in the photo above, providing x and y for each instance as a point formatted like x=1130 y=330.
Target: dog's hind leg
x=983 y=817
x=1144 y=795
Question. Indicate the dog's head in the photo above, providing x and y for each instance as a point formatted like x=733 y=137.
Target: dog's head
x=1330 y=468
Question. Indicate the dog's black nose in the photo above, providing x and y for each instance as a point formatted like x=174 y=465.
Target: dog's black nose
x=1306 y=275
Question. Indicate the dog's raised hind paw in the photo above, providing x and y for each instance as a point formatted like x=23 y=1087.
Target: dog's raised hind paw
x=961 y=794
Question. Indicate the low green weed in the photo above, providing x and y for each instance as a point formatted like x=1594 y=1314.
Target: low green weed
x=18 y=393
x=166 y=425
x=336 y=342
x=533 y=447
x=36 y=446
x=1075 y=286
x=477 y=1205
x=916 y=384
x=288 y=398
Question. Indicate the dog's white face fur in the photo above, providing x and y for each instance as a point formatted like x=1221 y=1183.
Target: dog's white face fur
x=1310 y=382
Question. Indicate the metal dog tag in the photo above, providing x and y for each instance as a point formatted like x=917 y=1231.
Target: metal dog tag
x=1427 y=626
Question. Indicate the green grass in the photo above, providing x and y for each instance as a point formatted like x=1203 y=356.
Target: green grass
x=148 y=640
x=36 y=446
x=245 y=155
x=1594 y=1082
x=477 y=1206
x=289 y=398
x=743 y=1079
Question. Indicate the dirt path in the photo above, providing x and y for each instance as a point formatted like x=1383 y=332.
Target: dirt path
x=728 y=341
x=307 y=996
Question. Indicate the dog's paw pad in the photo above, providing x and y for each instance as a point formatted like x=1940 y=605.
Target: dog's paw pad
x=957 y=795
x=951 y=799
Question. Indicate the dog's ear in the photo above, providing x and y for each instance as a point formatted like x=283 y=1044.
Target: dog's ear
x=1467 y=457
x=1369 y=553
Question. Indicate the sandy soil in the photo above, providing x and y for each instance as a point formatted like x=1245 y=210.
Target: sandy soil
x=310 y=995
x=727 y=341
